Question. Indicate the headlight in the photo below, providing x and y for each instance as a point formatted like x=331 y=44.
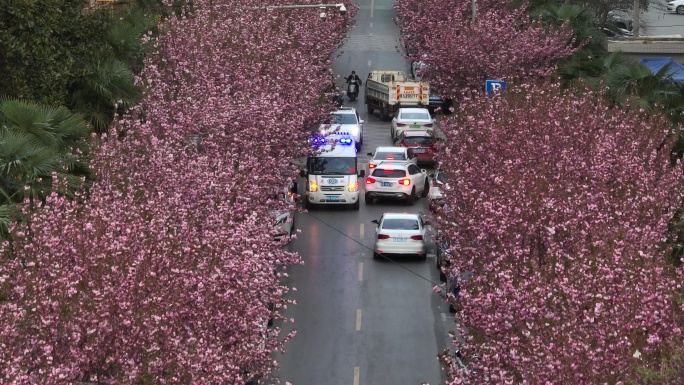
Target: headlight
x=355 y=130
x=313 y=186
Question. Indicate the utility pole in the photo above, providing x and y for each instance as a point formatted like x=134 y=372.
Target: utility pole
x=475 y=13
x=635 y=19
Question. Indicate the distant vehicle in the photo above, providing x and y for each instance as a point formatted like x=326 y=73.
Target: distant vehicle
x=332 y=176
x=396 y=180
x=620 y=19
x=383 y=153
x=438 y=181
x=437 y=100
x=387 y=90
x=284 y=220
x=400 y=234
x=676 y=6
x=344 y=122
x=422 y=142
x=410 y=119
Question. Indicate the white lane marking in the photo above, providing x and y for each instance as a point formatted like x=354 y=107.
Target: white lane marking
x=358 y=320
x=369 y=63
x=443 y=317
x=372 y=6
x=360 y=271
x=371 y=25
x=356 y=375
x=361 y=230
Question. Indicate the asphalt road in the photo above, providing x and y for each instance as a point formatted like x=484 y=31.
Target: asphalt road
x=361 y=321
x=658 y=22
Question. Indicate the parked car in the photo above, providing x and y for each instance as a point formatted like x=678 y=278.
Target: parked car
x=422 y=142
x=438 y=181
x=397 y=180
x=410 y=119
x=284 y=220
x=400 y=234
x=437 y=99
x=676 y=6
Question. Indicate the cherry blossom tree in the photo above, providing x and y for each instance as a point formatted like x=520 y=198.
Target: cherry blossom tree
x=559 y=208
x=503 y=43
x=168 y=273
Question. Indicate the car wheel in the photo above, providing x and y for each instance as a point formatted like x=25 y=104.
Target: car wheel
x=680 y=10
x=309 y=206
x=369 y=199
x=376 y=255
x=442 y=276
x=426 y=189
x=422 y=257
x=369 y=108
x=452 y=309
x=355 y=206
x=411 y=199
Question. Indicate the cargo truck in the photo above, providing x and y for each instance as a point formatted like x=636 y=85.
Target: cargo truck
x=387 y=90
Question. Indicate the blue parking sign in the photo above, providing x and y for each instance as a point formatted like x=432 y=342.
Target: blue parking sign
x=492 y=86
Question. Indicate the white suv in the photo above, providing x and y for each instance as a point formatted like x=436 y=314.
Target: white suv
x=344 y=122
x=398 y=180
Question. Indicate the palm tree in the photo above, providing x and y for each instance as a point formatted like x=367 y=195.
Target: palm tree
x=587 y=37
x=37 y=144
x=108 y=86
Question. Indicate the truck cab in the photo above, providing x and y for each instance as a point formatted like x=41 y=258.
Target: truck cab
x=332 y=175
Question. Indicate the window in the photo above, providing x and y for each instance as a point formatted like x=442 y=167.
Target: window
x=332 y=165
x=413 y=170
x=441 y=177
x=400 y=224
x=343 y=119
x=419 y=140
x=390 y=156
x=415 y=116
x=385 y=173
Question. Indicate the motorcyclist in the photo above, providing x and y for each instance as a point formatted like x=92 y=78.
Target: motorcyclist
x=354 y=78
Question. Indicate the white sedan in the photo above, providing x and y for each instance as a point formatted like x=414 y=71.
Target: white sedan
x=400 y=234
x=410 y=119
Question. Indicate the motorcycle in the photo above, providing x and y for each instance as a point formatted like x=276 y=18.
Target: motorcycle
x=352 y=90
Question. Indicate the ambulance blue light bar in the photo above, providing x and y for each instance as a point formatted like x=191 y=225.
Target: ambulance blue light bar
x=346 y=141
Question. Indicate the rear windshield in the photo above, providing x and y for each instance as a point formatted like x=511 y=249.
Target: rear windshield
x=390 y=156
x=415 y=140
x=342 y=119
x=400 y=224
x=415 y=116
x=382 y=173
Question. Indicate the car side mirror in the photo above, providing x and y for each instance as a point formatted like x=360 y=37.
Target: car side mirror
x=302 y=173
x=375 y=221
x=424 y=171
x=432 y=175
x=370 y=154
x=361 y=121
x=362 y=173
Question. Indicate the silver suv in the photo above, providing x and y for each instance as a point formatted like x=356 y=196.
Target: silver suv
x=398 y=180
x=344 y=122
